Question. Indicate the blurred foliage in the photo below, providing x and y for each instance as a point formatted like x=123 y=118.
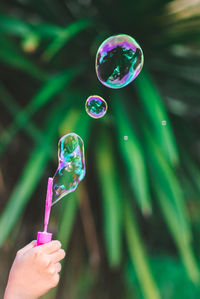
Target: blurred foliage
x=132 y=228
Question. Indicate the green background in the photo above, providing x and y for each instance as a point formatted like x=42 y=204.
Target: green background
x=132 y=227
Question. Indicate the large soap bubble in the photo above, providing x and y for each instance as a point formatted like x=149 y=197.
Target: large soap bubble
x=119 y=60
x=96 y=106
x=71 y=169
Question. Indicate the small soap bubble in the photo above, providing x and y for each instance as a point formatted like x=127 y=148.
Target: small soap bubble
x=125 y=138
x=71 y=169
x=164 y=122
x=119 y=60
x=96 y=106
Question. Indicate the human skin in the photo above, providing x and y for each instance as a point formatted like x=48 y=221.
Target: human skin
x=35 y=271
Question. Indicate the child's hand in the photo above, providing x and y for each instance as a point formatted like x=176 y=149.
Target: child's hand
x=34 y=271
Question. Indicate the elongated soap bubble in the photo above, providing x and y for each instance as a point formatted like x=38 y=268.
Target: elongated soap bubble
x=119 y=60
x=71 y=169
x=96 y=106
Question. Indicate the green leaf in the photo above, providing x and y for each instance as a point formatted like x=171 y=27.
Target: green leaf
x=171 y=200
x=138 y=255
x=83 y=284
x=10 y=55
x=67 y=218
x=13 y=108
x=111 y=198
x=14 y=26
x=183 y=245
x=133 y=156
x=69 y=32
x=156 y=113
x=163 y=173
x=51 y=88
x=192 y=169
x=30 y=178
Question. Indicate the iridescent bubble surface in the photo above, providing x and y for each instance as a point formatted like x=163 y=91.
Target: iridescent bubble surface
x=119 y=60
x=71 y=169
x=96 y=106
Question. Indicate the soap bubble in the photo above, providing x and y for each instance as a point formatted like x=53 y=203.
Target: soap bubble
x=96 y=106
x=119 y=60
x=71 y=169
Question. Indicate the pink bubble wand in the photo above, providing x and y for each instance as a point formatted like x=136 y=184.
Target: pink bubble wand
x=45 y=237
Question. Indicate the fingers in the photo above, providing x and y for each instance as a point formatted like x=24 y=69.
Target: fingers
x=51 y=247
x=56 y=268
x=27 y=248
x=58 y=256
x=56 y=280
x=54 y=276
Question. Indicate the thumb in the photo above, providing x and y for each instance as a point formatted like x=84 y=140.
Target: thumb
x=27 y=247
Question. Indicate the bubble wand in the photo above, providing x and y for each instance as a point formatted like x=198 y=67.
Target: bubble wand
x=45 y=237
x=70 y=171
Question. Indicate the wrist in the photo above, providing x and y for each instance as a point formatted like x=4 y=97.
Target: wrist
x=14 y=293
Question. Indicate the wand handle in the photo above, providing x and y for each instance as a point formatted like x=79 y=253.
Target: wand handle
x=48 y=203
x=45 y=237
